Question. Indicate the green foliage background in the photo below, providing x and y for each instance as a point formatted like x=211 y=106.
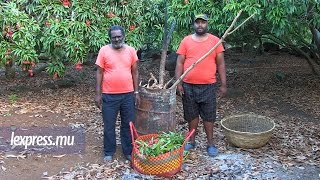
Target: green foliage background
x=48 y=28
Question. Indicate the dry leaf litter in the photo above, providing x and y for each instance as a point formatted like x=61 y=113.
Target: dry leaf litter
x=293 y=102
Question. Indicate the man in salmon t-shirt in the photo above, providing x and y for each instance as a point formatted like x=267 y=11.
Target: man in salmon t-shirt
x=117 y=90
x=198 y=88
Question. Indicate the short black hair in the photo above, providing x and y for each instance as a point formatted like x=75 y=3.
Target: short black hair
x=116 y=27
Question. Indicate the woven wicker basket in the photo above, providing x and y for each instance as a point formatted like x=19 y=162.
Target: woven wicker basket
x=248 y=130
x=163 y=165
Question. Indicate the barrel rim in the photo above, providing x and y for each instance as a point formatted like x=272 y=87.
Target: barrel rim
x=156 y=90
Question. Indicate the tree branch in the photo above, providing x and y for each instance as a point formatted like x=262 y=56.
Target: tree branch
x=164 y=54
x=241 y=24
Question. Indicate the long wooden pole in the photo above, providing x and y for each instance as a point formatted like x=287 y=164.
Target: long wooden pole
x=227 y=32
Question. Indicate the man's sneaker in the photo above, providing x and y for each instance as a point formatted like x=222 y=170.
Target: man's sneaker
x=212 y=151
x=107 y=158
x=189 y=146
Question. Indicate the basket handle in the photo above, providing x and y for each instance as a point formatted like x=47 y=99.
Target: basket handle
x=133 y=131
x=189 y=134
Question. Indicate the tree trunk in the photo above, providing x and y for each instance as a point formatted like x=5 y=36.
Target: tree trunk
x=40 y=69
x=315 y=47
x=313 y=65
x=315 y=36
x=10 y=71
x=166 y=41
x=261 y=49
x=164 y=46
x=287 y=43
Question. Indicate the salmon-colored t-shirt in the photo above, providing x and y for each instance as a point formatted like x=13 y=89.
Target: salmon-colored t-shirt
x=205 y=71
x=116 y=65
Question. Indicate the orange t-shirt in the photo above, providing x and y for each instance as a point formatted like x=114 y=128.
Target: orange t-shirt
x=205 y=71
x=116 y=65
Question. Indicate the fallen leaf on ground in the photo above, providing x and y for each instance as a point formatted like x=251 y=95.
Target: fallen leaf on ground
x=14 y=156
x=59 y=156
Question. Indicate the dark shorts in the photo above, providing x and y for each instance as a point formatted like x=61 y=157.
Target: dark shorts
x=199 y=99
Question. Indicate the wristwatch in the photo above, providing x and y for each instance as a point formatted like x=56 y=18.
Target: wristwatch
x=136 y=92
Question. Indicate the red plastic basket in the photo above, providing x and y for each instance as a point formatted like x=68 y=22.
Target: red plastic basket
x=166 y=165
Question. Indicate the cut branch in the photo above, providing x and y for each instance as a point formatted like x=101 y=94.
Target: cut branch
x=164 y=54
x=240 y=24
x=227 y=32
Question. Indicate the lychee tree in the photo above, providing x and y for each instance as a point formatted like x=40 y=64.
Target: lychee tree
x=61 y=32
x=18 y=40
x=65 y=32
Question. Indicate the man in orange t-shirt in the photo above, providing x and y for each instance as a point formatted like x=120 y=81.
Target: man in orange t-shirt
x=117 y=90
x=198 y=88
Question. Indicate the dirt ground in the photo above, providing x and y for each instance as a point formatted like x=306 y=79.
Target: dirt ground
x=279 y=86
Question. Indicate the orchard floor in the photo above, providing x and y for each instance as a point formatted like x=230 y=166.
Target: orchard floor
x=279 y=86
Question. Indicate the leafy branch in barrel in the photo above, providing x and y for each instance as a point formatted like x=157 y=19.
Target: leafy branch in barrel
x=165 y=44
x=164 y=54
x=227 y=32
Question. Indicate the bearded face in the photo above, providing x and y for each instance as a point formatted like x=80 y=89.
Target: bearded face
x=117 y=39
x=200 y=26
